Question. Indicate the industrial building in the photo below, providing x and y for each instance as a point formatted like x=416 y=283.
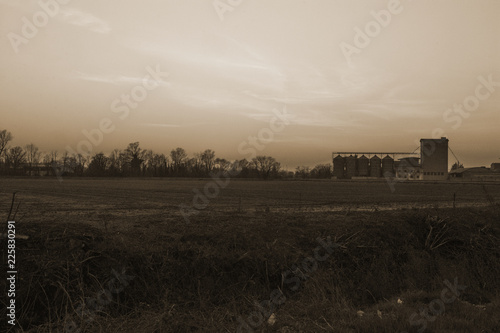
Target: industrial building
x=477 y=173
x=434 y=158
x=409 y=168
x=431 y=165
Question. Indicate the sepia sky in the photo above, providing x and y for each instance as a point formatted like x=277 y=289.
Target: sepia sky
x=229 y=68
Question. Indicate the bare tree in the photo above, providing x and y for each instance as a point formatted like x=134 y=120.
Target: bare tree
x=51 y=162
x=65 y=159
x=265 y=165
x=243 y=164
x=99 y=165
x=15 y=157
x=114 y=162
x=178 y=156
x=208 y=158
x=53 y=156
x=322 y=171
x=302 y=172
x=124 y=162
x=5 y=138
x=222 y=164
x=147 y=156
x=456 y=166
x=134 y=155
x=32 y=156
x=47 y=162
x=81 y=161
x=133 y=150
x=159 y=164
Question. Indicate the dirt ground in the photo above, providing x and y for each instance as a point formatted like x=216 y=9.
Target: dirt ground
x=87 y=199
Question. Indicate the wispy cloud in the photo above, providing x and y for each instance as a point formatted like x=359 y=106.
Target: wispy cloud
x=294 y=139
x=85 y=20
x=174 y=125
x=117 y=79
x=160 y=125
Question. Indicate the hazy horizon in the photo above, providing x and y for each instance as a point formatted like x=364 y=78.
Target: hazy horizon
x=224 y=71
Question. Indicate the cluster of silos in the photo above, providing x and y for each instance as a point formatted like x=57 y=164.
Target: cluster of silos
x=387 y=166
x=375 y=166
x=363 y=166
x=351 y=163
x=352 y=166
x=338 y=167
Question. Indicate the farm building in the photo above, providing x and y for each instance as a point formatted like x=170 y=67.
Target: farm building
x=431 y=165
x=408 y=168
x=477 y=173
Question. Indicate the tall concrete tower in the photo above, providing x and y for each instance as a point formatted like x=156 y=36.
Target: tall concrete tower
x=434 y=157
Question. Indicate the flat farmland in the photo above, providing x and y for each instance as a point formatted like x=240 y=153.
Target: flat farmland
x=383 y=256
x=49 y=199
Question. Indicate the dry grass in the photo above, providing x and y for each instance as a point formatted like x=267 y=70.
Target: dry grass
x=203 y=276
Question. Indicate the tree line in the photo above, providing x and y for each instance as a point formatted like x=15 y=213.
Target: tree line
x=138 y=162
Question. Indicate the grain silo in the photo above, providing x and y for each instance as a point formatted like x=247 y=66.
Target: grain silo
x=434 y=157
x=338 y=167
x=350 y=166
x=387 y=165
x=363 y=164
x=375 y=166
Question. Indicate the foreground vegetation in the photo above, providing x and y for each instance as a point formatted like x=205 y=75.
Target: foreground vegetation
x=385 y=272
